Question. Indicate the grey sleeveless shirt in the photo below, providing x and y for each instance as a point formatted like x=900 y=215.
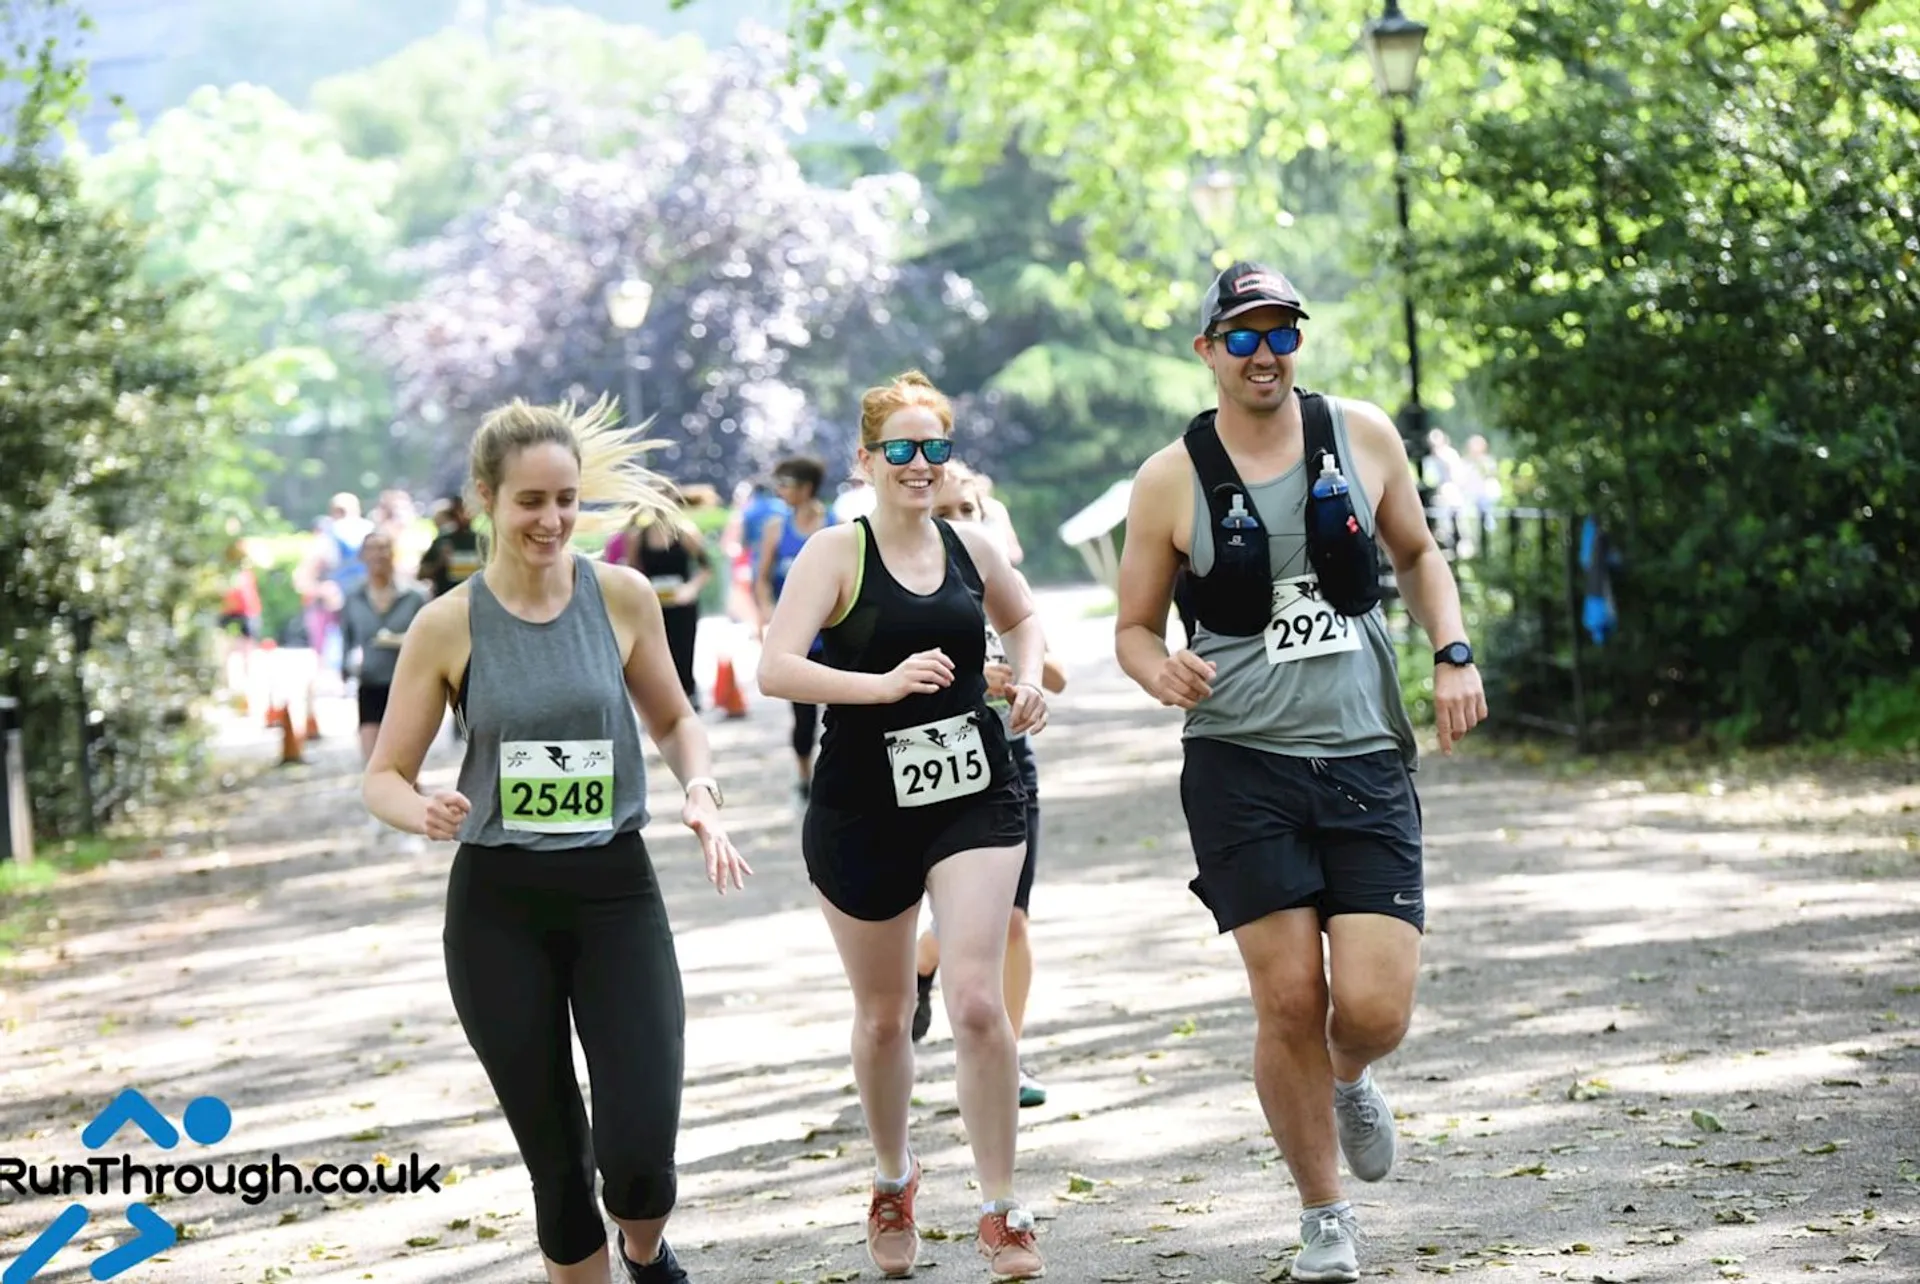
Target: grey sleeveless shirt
x=554 y=759
x=1338 y=703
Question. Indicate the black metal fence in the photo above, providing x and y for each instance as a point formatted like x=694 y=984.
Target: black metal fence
x=1521 y=591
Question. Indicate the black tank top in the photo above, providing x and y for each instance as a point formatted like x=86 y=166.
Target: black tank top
x=874 y=756
x=673 y=560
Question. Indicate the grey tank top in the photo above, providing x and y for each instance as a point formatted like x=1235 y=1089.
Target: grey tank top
x=1343 y=698
x=554 y=760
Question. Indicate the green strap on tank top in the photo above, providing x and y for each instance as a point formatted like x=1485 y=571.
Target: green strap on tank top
x=859 y=569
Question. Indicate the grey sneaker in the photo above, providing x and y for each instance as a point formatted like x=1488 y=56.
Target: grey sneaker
x=1366 y=1129
x=1327 y=1248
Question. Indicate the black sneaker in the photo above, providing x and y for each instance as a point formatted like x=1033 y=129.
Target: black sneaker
x=923 y=1008
x=664 y=1269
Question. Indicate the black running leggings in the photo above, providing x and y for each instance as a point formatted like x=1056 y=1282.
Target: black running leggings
x=683 y=632
x=806 y=729
x=530 y=934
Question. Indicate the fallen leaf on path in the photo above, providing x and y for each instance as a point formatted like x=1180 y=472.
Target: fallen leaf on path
x=1863 y=1252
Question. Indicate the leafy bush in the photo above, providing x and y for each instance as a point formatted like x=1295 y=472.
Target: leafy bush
x=1695 y=278
x=113 y=519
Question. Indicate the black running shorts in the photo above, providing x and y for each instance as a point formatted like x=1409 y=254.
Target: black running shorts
x=373 y=704
x=873 y=865
x=1274 y=832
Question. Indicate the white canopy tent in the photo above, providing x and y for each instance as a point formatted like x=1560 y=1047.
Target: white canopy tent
x=1096 y=530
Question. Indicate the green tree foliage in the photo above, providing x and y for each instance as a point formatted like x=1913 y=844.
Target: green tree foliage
x=1124 y=103
x=766 y=287
x=434 y=110
x=40 y=84
x=1059 y=392
x=1669 y=246
x=280 y=232
x=1684 y=238
x=119 y=471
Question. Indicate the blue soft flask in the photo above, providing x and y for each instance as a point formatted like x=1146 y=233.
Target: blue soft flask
x=1341 y=553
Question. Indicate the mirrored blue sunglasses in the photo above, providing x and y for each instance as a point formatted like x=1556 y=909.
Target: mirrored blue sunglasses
x=1244 y=343
x=899 y=450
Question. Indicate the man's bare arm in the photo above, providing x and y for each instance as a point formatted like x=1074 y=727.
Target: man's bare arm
x=1149 y=564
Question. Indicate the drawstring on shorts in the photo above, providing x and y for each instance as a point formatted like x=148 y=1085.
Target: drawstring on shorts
x=1324 y=770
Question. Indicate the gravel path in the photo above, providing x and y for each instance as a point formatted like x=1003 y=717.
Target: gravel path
x=1668 y=1031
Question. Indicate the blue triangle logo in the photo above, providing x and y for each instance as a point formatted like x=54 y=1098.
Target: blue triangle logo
x=129 y=1107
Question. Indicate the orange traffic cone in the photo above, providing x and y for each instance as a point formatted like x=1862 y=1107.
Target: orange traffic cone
x=290 y=747
x=726 y=690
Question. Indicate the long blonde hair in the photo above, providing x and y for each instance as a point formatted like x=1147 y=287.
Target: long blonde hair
x=612 y=480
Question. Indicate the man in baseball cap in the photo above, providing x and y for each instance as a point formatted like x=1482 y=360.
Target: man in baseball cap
x=1298 y=754
x=1244 y=287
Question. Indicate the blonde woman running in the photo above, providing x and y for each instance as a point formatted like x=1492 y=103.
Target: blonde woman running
x=552 y=903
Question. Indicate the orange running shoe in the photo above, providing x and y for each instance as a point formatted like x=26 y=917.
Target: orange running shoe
x=893 y=1241
x=1006 y=1241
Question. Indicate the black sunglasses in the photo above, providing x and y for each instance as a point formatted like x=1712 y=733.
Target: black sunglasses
x=899 y=450
x=1283 y=339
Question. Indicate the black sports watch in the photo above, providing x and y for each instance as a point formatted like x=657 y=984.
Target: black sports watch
x=1454 y=653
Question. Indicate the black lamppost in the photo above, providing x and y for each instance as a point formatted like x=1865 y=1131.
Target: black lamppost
x=627 y=304
x=1395 y=44
x=1213 y=195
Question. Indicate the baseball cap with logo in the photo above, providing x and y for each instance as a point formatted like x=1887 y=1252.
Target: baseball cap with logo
x=1244 y=287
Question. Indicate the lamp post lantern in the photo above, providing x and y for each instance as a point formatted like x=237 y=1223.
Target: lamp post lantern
x=627 y=303
x=1212 y=195
x=1395 y=44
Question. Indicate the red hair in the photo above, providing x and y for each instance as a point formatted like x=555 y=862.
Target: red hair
x=877 y=405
